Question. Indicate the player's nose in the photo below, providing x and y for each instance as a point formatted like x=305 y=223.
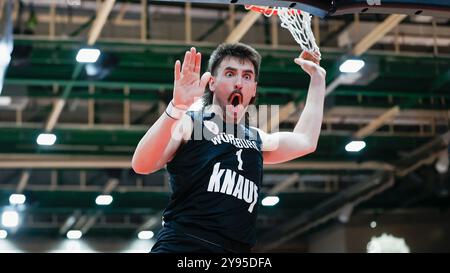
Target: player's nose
x=238 y=83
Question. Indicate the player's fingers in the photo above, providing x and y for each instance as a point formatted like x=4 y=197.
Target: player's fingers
x=198 y=62
x=299 y=61
x=186 y=62
x=204 y=80
x=192 y=60
x=311 y=56
x=177 y=71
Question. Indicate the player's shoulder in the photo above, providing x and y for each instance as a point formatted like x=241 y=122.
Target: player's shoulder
x=259 y=131
x=268 y=141
x=260 y=134
x=200 y=114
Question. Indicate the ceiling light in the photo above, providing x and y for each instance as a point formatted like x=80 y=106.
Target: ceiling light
x=351 y=66
x=46 y=139
x=74 y=3
x=88 y=55
x=74 y=234
x=17 y=199
x=442 y=163
x=355 y=146
x=145 y=235
x=103 y=200
x=3 y=234
x=5 y=101
x=92 y=69
x=10 y=218
x=270 y=201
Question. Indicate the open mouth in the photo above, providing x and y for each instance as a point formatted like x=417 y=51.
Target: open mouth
x=235 y=99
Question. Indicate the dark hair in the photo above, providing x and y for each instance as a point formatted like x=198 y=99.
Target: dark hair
x=238 y=50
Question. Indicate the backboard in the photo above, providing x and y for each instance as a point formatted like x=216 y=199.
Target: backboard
x=323 y=8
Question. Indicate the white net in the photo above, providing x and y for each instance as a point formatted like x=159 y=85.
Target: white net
x=298 y=23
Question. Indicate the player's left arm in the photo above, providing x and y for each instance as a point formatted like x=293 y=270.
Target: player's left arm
x=284 y=146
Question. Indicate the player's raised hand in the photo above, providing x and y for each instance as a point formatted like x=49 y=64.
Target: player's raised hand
x=310 y=64
x=188 y=86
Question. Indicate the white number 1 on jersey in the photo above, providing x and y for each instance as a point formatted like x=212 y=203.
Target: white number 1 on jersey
x=238 y=154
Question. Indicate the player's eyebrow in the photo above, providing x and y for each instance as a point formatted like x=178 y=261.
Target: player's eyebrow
x=234 y=69
x=230 y=68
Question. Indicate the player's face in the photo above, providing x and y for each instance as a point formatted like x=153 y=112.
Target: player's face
x=234 y=86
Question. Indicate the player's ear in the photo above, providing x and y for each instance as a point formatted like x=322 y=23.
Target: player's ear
x=211 y=84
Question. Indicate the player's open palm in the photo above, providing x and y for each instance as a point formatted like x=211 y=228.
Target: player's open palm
x=188 y=86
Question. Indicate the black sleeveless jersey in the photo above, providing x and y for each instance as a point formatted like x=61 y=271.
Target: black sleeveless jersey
x=215 y=178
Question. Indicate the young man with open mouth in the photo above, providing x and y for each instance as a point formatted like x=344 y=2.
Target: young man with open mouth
x=216 y=172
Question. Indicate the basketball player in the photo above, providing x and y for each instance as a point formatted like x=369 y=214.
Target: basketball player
x=215 y=175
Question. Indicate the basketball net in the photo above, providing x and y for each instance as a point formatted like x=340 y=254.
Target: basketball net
x=297 y=22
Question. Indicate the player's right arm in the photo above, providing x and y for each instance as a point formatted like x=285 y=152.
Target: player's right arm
x=159 y=145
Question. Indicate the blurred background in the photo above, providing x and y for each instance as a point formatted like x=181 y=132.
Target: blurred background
x=82 y=81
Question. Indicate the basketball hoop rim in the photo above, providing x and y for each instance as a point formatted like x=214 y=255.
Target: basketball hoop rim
x=268 y=11
x=297 y=22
